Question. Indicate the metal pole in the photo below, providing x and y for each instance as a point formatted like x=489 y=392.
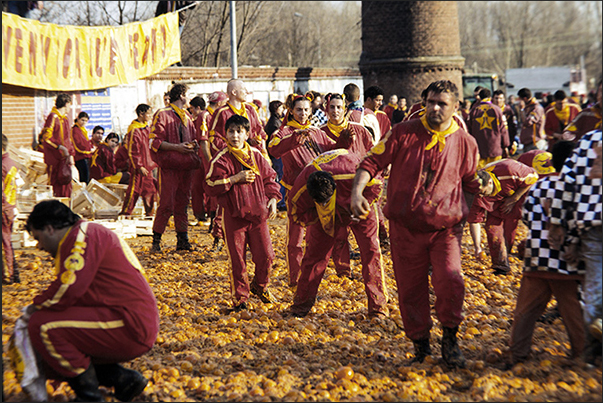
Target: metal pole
x=233 y=40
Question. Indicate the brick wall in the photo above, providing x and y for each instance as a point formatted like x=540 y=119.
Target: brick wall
x=408 y=44
x=18 y=114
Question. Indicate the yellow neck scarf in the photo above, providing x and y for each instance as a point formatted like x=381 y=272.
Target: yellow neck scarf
x=83 y=129
x=136 y=125
x=240 y=112
x=438 y=137
x=326 y=215
x=181 y=113
x=563 y=114
x=245 y=156
x=497 y=185
x=335 y=128
x=56 y=111
x=395 y=106
x=294 y=123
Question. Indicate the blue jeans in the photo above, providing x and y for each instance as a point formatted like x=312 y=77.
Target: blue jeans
x=590 y=251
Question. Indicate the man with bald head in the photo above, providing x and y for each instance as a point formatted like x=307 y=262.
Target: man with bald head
x=237 y=105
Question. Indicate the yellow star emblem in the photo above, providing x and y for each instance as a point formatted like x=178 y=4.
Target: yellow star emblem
x=485 y=121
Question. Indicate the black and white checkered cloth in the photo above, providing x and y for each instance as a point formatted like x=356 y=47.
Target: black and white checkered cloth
x=319 y=118
x=579 y=198
x=538 y=255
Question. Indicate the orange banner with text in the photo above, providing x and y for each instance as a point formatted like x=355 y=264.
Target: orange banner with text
x=71 y=58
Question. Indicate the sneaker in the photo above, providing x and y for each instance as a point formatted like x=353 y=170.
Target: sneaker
x=264 y=295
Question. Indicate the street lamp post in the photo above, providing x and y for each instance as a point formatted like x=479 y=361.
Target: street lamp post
x=317 y=25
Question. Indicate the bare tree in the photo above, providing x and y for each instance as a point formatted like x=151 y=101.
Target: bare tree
x=496 y=36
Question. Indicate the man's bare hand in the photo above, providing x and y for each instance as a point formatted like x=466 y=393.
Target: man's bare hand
x=360 y=207
x=243 y=177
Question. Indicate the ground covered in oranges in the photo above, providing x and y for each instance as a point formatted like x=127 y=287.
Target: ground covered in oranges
x=204 y=352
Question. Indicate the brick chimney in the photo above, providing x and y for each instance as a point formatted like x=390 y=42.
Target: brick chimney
x=406 y=45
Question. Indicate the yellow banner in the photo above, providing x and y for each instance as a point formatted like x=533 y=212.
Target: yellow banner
x=69 y=58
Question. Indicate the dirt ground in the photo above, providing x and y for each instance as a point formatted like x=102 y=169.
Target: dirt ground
x=336 y=353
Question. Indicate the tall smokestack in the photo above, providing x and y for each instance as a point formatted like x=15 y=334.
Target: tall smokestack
x=406 y=45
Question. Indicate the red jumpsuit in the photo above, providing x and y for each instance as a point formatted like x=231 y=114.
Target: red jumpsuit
x=122 y=161
x=102 y=164
x=384 y=122
x=217 y=138
x=56 y=132
x=83 y=151
x=487 y=125
x=540 y=160
x=555 y=121
x=413 y=109
x=389 y=111
x=244 y=216
x=587 y=120
x=320 y=241
x=100 y=307
x=175 y=169
x=199 y=199
x=211 y=202
x=361 y=144
x=425 y=207
x=139 y=155
x=532 y=132
x=9 y=201
x=284 y=145
x=509 y=176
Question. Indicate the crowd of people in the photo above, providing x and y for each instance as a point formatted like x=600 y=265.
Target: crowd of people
x=340 y=164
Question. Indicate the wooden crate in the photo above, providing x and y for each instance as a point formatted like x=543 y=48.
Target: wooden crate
x=118 y=189
x=106 y=213
x=29 y=197
x=102 y=195
x=83 y=204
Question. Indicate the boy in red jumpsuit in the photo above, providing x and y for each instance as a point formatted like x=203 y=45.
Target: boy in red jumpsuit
x=245 y=185
x=320 y=200
x=141 y=165
x=82 y=146
x=102 y=166
x=296 y=144
x=56 y=144
x=174 y=148
x=98 y=312
x=432 y=160
x=501 y=205
x=235 y=105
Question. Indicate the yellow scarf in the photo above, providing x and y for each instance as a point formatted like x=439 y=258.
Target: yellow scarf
x=240 y=112
x=245 y=156
x=136 y=125
x=563 y=114
x=336 y=129
x=181 y=113
x=395 y=106
x=497 y=185
x=294 y=123
x=56 y=111
x=83 y=129
x=326 y=215
x=439 y=137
